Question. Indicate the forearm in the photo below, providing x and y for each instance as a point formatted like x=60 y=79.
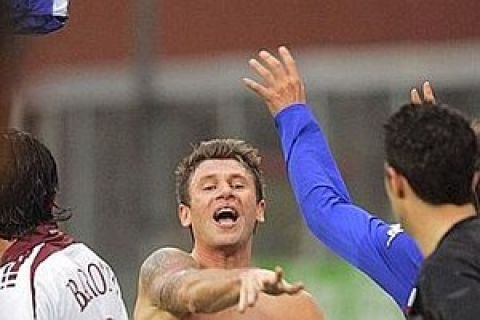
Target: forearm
x=307 y=154
x=198 y=291
x=208 y=291
x=317 y=183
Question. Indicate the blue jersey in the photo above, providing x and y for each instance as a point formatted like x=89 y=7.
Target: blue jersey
x=38 y=16
x=384 y=252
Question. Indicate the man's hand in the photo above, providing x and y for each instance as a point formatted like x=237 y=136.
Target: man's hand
x=254 y=281
x=281 y=84
x=428 y=95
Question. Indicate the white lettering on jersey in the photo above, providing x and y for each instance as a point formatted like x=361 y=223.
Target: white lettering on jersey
x=393 y=231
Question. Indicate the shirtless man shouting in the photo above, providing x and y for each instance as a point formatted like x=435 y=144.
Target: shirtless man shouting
x=220 y=198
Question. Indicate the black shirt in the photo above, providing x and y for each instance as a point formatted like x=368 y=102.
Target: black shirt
x=448 y=286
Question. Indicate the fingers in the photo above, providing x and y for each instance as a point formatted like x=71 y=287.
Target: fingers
x=252 y=289
x=263 y=72
x=278 y=274
x=415 y=97
x=273 y=64
x=249 y=289
x=293 y=288
x=292 y=71
x=253 y=282
x=289 y=62
x=280 y=84
x=257 y=88
x=285 y=286
x=242 y=301
x=428 y=95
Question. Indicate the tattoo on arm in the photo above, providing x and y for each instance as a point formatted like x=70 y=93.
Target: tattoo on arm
x=176 y=284
x=160 y=277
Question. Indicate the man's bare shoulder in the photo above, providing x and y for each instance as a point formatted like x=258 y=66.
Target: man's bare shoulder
x=165 y=261
x=157 y=267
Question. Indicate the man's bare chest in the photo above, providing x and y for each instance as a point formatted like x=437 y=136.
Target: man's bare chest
x=254 y=313
x=266 y=308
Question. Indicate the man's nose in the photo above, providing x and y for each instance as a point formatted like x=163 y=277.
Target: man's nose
x=225 y=190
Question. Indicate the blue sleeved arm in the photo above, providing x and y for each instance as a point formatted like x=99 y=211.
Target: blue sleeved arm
x=384 y=252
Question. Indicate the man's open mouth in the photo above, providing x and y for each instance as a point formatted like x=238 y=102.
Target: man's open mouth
x=225 y=215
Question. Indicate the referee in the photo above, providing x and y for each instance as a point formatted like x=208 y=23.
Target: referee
x=430 y=164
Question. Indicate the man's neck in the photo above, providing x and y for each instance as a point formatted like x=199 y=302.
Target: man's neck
x=430 y=223
x=224 y=258
x=4 y=245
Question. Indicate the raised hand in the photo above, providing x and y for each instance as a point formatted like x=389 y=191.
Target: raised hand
x=428 y=95
x=281 y=83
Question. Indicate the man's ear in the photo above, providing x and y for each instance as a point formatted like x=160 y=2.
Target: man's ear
x=475 y=180
x=395 y=182
x=260 y=214
x=476 y=190
x=184 y=215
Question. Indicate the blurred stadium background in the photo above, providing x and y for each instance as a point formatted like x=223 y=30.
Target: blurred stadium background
x=124 y=89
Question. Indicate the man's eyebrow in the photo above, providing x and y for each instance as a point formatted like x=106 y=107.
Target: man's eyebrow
x=238 y=176
x=207 y=177
x=215 y=176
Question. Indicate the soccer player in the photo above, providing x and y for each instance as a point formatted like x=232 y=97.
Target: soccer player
x=384 y=252
x=221 y=200
x=44 y=273
x=430 y=164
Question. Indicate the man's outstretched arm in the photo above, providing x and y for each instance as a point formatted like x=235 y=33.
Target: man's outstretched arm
x=383 y=252
x=172 y=282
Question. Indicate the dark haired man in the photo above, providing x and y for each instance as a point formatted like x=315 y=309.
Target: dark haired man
x=430 y=164
x=45 y=274
x=220 y=198
x=385 y=253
